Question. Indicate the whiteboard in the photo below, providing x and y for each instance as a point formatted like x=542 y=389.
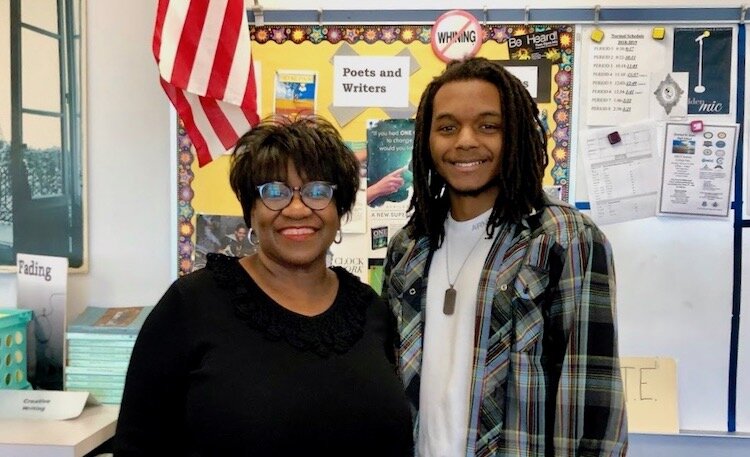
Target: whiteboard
x=743 y=362
x=674 y=283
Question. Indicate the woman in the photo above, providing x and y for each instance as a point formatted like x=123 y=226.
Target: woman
x=272 y=354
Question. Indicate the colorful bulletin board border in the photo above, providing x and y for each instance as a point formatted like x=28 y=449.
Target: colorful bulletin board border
x=561 y=57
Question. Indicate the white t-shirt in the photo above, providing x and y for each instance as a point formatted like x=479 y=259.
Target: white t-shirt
x=448 y=347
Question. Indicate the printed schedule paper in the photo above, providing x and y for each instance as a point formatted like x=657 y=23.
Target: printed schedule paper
x=619 y=71
x=622 y=177
x=698 y=170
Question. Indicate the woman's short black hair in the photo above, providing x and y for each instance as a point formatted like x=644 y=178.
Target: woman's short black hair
x=310 y=143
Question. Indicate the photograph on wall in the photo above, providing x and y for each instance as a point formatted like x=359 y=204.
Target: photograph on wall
x=706 y=54
x=295 y=92
x=221 y=234
x=42 y=134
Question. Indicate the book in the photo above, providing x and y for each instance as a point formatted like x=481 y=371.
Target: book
x=96 y=319
x=93 y=385
x=99 y=351
x=71 y=377
x=100 y=338
x=87 y=363
x=98 y=359
x=97 y=371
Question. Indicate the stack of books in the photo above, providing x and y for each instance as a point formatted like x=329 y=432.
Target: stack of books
x=99 y=344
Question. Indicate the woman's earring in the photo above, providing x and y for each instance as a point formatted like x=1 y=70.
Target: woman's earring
x=252 y=237
x=339 y=236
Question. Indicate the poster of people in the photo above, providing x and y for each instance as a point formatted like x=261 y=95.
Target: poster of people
x=223 y=234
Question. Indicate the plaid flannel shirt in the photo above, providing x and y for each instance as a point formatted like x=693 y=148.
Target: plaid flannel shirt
x=546 y=376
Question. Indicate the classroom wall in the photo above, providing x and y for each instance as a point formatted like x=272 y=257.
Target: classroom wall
x=129 y=173
x=130 y=192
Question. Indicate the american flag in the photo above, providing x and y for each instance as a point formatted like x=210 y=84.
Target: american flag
x=203 y=51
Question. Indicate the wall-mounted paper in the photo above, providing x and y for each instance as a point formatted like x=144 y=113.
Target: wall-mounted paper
x=706 y=54
x=650 y=394
x=623 y=177
x=389 y=179
x=295 y=92
x=619 y=75
x=371 y=81
x=698 y=170
x=670 y=95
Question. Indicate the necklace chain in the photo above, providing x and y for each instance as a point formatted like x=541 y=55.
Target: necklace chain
x=447 y=260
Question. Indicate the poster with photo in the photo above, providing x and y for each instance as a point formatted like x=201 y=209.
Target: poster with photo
x=222 y=234
x=389 y=179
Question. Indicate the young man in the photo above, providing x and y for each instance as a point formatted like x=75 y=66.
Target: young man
x=504 y=298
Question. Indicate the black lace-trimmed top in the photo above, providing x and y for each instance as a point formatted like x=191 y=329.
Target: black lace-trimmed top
x=334 y=330
x=219 y=368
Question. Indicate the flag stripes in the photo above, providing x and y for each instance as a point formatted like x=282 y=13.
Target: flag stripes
x=203 y=52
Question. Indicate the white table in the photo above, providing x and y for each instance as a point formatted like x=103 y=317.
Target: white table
x=58 y=438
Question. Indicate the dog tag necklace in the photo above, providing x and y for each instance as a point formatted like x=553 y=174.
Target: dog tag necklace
x=449 y=301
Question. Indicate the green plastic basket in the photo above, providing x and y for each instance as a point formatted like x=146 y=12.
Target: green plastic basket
x=13 y=348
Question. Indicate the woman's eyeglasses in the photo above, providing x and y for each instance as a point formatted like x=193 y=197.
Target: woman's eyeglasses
x=314 y=194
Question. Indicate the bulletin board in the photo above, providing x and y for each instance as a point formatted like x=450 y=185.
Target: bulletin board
x=294 y=53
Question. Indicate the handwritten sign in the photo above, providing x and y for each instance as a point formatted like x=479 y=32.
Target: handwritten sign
x=650 y=394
